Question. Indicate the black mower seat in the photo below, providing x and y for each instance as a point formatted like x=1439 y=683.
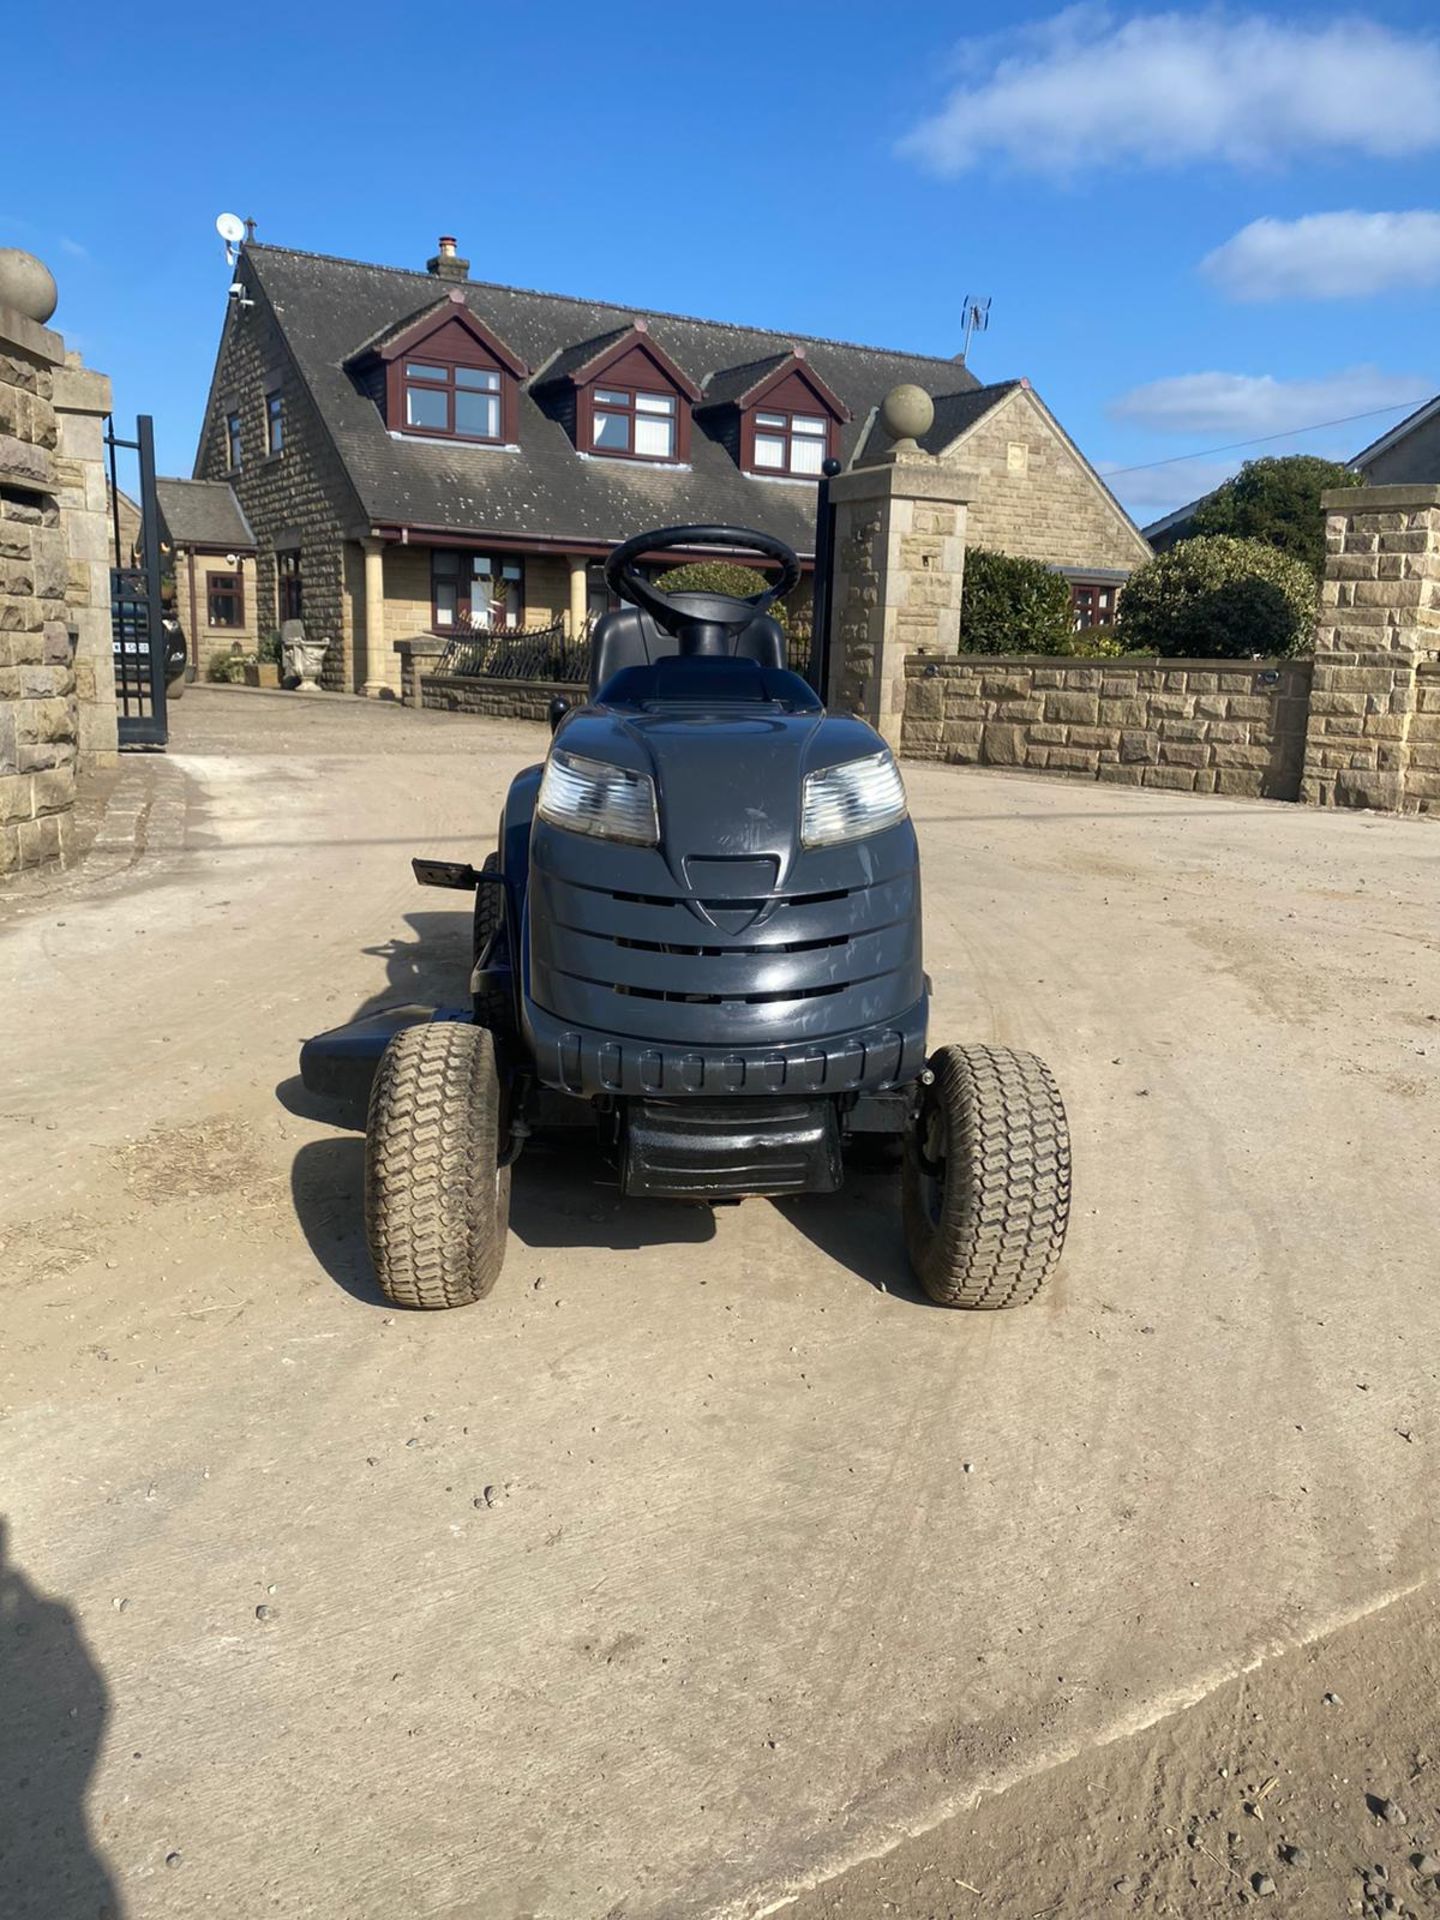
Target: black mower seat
x=708 y=681
x=630 y=638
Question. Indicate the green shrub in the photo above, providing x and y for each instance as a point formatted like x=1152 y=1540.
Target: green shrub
x=719 y=576
x=1093 y=643
x=1277 y=501
x=268 y=650
x=1218 y=598
x=1009 y=605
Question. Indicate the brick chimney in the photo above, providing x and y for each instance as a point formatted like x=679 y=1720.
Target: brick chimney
x=447 y=264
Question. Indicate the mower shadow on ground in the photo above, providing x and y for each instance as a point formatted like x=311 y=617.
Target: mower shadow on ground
x=431 y=967
x=559 y=1197
x=859 y=1229
x=568 y=1197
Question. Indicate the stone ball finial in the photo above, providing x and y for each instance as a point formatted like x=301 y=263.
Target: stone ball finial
x=906 y=412
x=26 y=284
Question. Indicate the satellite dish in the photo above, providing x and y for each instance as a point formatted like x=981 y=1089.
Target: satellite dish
x=230 y=229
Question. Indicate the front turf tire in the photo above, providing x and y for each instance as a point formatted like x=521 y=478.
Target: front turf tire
x=986 y=1178
x=437 y=1202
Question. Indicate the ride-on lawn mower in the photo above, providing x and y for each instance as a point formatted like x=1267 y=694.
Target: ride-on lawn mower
x=699 y=936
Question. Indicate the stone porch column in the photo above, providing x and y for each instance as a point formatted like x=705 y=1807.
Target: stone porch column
x=579 y=589
x=1379 y=622
x=381 y=671
x=899 y=566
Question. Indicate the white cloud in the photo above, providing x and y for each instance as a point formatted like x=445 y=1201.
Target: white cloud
x=1088 y=89
x=1257 y=403
x=73 y=248
x=1328 y=256
x=1152 y=491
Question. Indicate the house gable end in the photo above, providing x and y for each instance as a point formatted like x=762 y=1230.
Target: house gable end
x=1037 y=495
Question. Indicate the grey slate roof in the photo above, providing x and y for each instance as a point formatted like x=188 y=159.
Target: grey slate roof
x=955 y=413
x=329 y=307
x=202 y=513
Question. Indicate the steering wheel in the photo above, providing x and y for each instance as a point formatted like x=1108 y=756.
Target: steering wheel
x=698 y=612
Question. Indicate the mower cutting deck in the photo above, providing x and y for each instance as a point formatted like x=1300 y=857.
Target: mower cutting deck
x=699 y=939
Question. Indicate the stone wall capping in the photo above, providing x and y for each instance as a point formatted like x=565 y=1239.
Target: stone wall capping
x=82 y=390
x=1362 y=502
x=19 y=334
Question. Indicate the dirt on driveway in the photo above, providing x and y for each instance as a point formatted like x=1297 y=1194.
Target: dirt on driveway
x=702 y=1560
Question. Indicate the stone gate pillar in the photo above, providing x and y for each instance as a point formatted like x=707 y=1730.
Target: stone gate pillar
x=1379 y=626
x=899 y=566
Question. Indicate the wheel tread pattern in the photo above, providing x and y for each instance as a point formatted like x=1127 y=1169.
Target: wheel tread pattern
x=436 y=1208
x=1005 y=1202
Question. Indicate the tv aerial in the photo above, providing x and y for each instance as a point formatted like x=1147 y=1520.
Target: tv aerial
x=977 y=318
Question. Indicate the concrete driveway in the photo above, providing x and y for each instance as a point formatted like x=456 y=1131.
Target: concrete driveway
x=703 y=1558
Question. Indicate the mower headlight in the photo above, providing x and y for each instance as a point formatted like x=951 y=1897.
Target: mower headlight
x=851 y=800
x=589 y=796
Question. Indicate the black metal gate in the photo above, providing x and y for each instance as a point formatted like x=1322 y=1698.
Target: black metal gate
x=137 y=625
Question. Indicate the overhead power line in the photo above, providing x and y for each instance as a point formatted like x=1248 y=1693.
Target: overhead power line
x=1264 y=439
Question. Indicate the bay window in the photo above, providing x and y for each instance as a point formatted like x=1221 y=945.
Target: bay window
x=627 y=421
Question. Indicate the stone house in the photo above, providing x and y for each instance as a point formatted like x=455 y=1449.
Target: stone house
x=208 y=550
x=1407 y=453
x=416 y=451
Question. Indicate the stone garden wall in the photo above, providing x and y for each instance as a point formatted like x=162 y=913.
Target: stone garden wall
x=497 y=699
x=57 y=691
x=1196 y=726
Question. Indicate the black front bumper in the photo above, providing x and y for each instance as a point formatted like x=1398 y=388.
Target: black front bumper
x=580 y=1061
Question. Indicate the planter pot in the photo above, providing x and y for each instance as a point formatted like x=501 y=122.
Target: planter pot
x=265 y=673
x=304 y=659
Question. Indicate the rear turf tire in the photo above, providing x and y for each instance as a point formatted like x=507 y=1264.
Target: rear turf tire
x=986 y=1178
x=436 y=1201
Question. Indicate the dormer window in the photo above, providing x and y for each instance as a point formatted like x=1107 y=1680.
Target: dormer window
x=791 y=442
x=621 y=396
x=628 y=421
x=443 y=375
x=777 y=415
x=463 y=403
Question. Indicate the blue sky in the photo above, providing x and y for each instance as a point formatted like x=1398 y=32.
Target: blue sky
x=1197 y=225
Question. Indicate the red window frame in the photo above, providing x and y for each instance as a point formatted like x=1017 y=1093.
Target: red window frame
x=225 y=590
x=624 y=405
x=442 y=378
x=1092 y=603
x=456 y=570
x=755 y=431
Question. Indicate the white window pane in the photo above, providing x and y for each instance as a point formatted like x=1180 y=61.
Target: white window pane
x=654 y=438
x=445 y=601
x=654 y=403
x=478 y=414
x=612 y=430
x=807 y=423
x=607 y=397
x=806 y=456
x=419 y=372
x=770 y=419
x=769 y=452
x=481 y=377
x=425 y=407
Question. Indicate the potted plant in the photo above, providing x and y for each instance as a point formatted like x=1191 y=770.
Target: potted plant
x=263 y=670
